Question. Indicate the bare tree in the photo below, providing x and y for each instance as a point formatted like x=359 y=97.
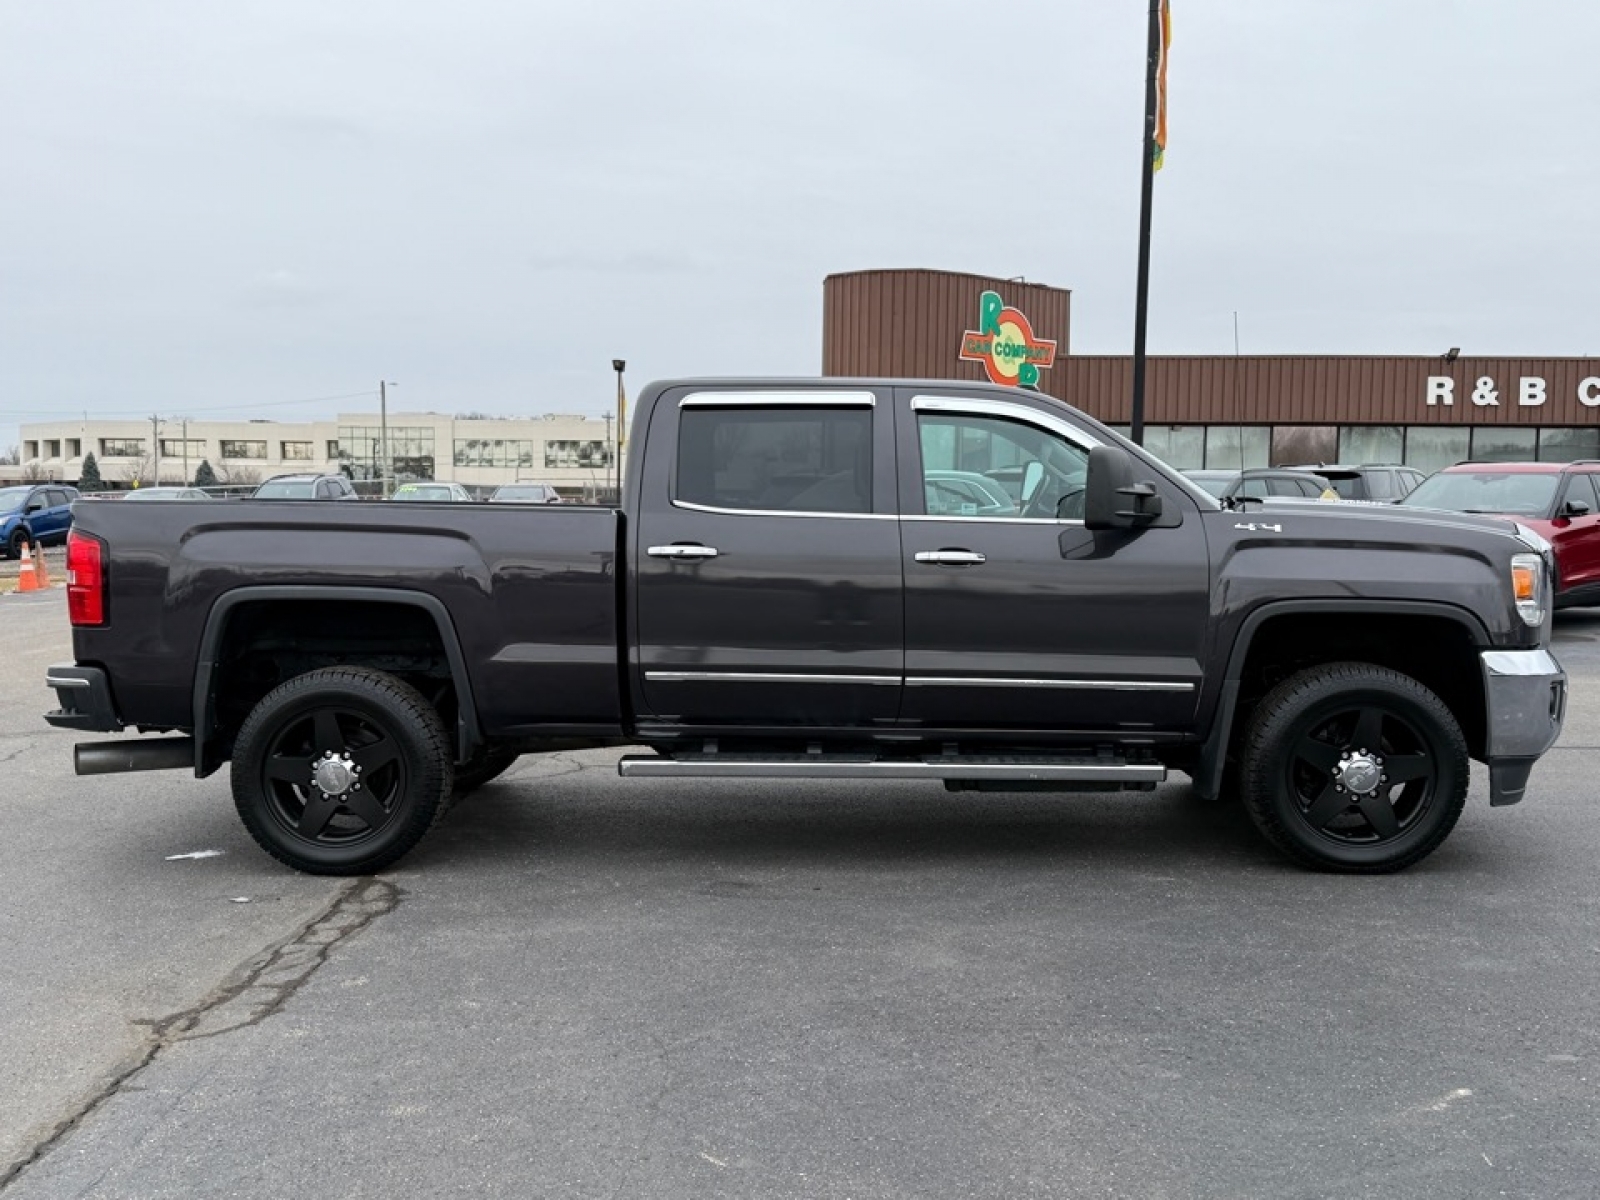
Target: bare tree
x=34 y=471
x=233 y=475
x=11 y=457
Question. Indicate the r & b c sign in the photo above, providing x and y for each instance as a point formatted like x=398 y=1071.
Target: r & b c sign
x=1530 y=392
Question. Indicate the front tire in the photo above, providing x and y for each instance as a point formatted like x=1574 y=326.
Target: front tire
x=341 y=771
x=15 y=543
x=1355 y=768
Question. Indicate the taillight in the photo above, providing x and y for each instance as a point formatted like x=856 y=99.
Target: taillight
x=86 y=579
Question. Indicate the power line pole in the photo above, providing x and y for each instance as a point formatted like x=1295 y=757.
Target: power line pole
x=155 y=438
x=1153 y=66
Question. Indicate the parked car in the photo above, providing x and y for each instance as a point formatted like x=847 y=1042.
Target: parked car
x=1381 y=482
x=1559 y=501
x=166 y=493
x=773 y=600
x=525 y=493
x=307 y=486
x=36 y=513
x=1257 y=483
x=966 y=493
x=449 y=493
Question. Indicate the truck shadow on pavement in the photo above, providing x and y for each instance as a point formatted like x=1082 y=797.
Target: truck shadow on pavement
x=592 y=819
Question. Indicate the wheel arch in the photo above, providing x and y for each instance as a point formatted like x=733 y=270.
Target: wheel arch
x=209 y=755
x=1278 y=620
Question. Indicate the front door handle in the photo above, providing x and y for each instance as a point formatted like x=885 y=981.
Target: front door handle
x=950 y=558
x=676 y=551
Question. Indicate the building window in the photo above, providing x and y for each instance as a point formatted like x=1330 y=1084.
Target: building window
x=121 y=447
x=30 y=450
x=1240 y=446
x=333 y=450
x=52 y=448
x=493 y=452
x=175 y=447
x=74 y=447
x=244 y=449
x=295 y=451
x=577 y=454
x=1569 y=445
x=1491 y=444
x=1180 y=446
x=1429 y=447
x=1371 y=444
x=360 y=449
x=795 y=459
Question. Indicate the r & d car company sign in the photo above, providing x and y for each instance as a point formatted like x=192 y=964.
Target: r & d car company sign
x=1527 y=391
x=1005 y=344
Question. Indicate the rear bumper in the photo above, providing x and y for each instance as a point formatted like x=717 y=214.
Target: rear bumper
x=1526 y=696
x=84 y=694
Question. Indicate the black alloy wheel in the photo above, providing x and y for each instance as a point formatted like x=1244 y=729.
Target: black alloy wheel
x=341 y=771
x=19 y=539
x=1354 y=767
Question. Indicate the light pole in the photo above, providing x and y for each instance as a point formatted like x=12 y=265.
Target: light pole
x=619 y=365
x=607 y=419
x=383 y=434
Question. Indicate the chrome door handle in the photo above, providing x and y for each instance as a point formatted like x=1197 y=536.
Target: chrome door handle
x=682 y=552
x=951 y=558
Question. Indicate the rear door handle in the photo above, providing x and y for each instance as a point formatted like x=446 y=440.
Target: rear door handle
x=682 y=551
x=950 y=558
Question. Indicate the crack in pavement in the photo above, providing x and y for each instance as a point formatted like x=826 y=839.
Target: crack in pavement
x=250 y=994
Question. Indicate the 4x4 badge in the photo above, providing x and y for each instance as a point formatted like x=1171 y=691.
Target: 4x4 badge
x=1252 y=526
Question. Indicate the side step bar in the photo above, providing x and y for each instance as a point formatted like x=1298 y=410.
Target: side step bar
x=953 y=766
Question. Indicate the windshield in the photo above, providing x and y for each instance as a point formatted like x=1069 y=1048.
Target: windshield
x=286 y=489
x=413 y=491
x=11 y=498
x=1517 y=492
x=520 y=493
x=1215 y=482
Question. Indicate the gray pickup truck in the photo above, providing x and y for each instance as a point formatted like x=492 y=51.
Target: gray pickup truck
x=825 y=579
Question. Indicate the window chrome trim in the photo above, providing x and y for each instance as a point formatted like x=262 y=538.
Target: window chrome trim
x=800 y=399
x=781 y=512
x=1099 y=685
x=1002 y=408
x=766 y=677
x=1070 y=521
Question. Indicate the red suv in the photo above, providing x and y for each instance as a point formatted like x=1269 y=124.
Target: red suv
x=1560 y=501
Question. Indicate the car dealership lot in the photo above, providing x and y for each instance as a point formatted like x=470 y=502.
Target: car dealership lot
x=582 y=985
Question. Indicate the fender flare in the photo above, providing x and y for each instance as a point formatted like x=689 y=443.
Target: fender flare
x=1214 y=750
x=469 y=734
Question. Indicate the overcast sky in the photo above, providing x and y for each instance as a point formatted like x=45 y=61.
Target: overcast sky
x=234 y=209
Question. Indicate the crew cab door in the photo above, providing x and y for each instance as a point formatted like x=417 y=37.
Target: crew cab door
x=1025 y=619
x=1576 y=535
x=766 y=559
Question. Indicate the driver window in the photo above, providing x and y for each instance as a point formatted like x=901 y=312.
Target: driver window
x=975 y=466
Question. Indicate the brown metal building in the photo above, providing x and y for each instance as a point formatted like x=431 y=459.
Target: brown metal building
x=1222 y=410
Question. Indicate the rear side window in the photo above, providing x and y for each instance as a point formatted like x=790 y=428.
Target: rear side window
x=777 y=459
x=1380 y=485
x=1254 y=489
x=57 y=498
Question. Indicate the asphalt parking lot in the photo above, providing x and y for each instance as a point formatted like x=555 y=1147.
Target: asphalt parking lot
x=586 y=986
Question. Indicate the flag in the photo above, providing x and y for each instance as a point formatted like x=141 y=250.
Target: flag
x=1159 y=150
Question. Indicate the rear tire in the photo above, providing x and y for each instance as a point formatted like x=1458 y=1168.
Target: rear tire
x=1355 y=768
x=341 y=771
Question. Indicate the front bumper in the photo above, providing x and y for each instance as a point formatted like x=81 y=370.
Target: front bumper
x=85 y=697
x=1525 y=692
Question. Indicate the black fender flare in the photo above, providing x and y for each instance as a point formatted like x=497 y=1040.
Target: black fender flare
x=1214 y=750
x=469 y=734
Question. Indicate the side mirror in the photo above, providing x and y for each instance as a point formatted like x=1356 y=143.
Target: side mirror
x=1113 y=498
x=1032 y=477
x=1575 y=508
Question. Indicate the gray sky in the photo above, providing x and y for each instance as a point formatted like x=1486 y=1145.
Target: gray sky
x=229 y=209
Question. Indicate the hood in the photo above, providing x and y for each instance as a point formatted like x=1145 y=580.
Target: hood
x=1390 y=516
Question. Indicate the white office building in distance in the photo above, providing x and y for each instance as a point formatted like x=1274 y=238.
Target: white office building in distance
x=576 y=454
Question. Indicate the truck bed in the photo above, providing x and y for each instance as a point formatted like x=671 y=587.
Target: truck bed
x=530 y=593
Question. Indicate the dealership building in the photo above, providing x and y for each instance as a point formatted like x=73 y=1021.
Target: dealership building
x=1426 y=411
x=1214 y=411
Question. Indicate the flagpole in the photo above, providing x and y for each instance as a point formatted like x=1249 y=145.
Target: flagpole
x=1146 y=188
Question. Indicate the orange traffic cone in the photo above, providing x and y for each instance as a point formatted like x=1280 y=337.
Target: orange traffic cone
x=41 y=576
x=27 y=580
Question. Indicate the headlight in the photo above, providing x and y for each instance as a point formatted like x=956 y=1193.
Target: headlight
x=1528 y=587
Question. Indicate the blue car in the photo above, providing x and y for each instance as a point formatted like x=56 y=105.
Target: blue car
x=39 y=513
